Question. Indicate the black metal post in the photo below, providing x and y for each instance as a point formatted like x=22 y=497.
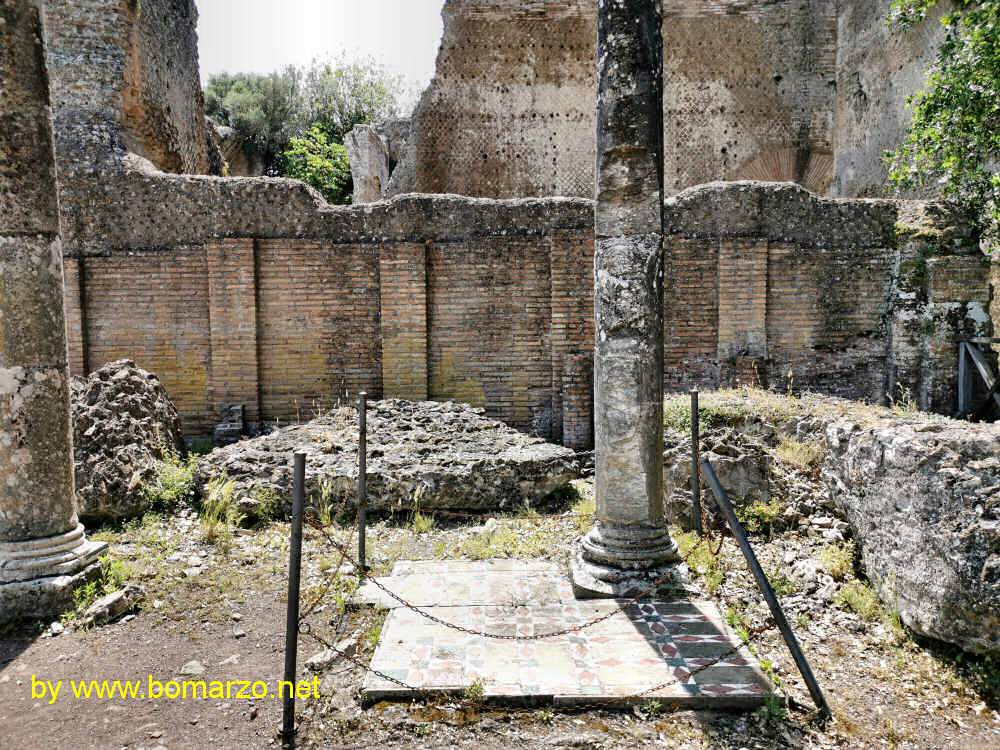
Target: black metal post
x=292 y=619
x=695 y=471
x=772 y=601
x=362 y=476
x=964 y=381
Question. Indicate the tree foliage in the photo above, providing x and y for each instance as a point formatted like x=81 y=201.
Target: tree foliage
x=342 y=94
x=318 y=161
x=269 y=111
x=264 y=110
x=954 y=137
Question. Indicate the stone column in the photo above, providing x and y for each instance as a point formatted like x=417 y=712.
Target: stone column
x=43 y=550
x=629 y=546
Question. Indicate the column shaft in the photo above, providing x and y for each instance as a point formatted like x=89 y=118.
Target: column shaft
x=43 y=549
x=629 y=543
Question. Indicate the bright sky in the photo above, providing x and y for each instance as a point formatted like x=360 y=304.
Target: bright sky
x=263 y=35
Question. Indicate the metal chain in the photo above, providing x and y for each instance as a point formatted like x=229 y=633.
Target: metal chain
x=753 y=634
x=497 y=636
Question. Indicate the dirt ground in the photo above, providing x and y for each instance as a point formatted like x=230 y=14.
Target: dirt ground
x=225 y=609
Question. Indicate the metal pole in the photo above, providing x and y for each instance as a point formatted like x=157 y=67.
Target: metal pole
x=765 y=587
x=362 y=475
x=292 y=619
x=695 y=462
x=964 y=381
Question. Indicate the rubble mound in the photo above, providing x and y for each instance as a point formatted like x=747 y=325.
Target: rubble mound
x=123 y=422
x=439 y=455
x=923 y=499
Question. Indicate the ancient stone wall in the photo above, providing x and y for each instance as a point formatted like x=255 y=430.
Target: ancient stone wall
x=877 y=69
x=255 y=291
x=748 y=94
x=124 y=77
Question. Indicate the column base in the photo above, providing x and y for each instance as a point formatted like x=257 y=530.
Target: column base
x=619 y=561
x=38 y=576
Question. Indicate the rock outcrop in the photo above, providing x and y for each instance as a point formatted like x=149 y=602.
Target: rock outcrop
x=742 y=464
x=369 y=159
x=923 y=500
x=123 y=421
x=440 y=455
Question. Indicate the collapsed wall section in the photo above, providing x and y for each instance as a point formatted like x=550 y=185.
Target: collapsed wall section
x=124 y=78
x=255 y=291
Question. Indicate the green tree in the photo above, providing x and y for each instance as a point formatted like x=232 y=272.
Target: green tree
x=264 y=110
x=340 y=94
x=954 y=137
x=319 y=162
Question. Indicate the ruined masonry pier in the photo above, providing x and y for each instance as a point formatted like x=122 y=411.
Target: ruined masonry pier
x=43 y=550
x=629 y=546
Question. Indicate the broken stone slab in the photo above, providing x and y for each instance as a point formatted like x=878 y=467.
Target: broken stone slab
x=112 y=606
x=435 y=455
x=123 y=423
x=369 y=158
x=923 y=500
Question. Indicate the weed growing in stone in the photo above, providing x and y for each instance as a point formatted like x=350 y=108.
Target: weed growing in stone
x=267 y=504
x=761 y=517
x=507 y=542
x=422 y=524
x=837 y=560
x=860 y=599
x=710 y=569
x=781 y=583
x=220 y=514
x=173 y=484
x=114 y=574
x=806 y=457
x=475 y=692
x=773 y=708
x=649 y=709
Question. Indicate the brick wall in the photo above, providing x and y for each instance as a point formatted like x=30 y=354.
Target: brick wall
x=491 y=302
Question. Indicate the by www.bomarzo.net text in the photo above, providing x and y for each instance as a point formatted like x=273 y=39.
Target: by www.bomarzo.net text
x=151 y=689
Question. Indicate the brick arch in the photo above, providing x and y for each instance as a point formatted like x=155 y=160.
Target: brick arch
x=785 y=165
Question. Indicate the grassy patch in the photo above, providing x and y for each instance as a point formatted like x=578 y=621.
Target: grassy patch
x=761 y=517
x=173 y=484
x=837 y=560
x=805 y=456
x=710 y=569
x=267 y=504
x=506 y=542
x=422 y=524
x=584 y=508
x=860 y=599
x=113 y=576
x=220 y=514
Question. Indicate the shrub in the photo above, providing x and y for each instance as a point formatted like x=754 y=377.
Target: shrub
x=173 y=484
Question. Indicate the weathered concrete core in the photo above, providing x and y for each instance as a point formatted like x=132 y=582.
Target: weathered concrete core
x=629 y=546
x=43 y=549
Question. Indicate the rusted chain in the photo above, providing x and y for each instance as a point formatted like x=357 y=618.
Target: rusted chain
x=497 y=636
x=753 y=634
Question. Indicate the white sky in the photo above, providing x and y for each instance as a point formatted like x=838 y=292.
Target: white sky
x=242 y=36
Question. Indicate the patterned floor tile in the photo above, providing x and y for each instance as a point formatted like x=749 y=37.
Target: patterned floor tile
x=649 y=650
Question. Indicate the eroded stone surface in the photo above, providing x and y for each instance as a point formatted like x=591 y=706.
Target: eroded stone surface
x=923 y=500
x=369 y=163
x=123 y=421
x=440 y=455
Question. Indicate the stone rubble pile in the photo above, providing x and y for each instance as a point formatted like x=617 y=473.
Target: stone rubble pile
x=123 y=421
x=437 y=455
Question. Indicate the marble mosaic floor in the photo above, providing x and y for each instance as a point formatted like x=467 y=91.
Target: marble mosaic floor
x=649 y=645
